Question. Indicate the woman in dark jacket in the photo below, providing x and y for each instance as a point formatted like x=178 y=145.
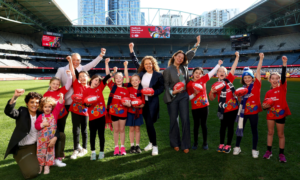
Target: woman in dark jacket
x=178 y=100
x=148 y=71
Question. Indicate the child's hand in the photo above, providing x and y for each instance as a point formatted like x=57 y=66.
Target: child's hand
x=237 y=54
x=52 y=142
x=69 y=58
x=125 y=63
x=213 y=91
x=68 y=72
x=61 y=98
x=284 y=60
x=196 y=92
x=220 y=62
x=266 y=106
x=45 y=124
x=261 y=55
x=107 y=60
x=198 y=39
x=115 y=69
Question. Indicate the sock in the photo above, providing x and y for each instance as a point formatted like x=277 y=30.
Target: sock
x=116 y=146
x=137 y=144
x=281 y=151
x=132 y=144
x=94 y=151
x=269 y=148
x=122 y=146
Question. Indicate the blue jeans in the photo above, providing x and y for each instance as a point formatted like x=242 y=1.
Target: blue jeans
x=180 y=104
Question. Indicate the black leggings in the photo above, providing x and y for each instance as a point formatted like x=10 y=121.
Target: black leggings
x=97 y=125
x=227 y=122
x=149 y=124
x=200 y=117
x=79 y=122
x=253 y=122
x=61 y=123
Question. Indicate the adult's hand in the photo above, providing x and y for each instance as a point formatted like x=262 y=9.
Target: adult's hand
x=52 y=142
x=131 y=45
x=18 y=93
x=103 y=51
x=178 y=91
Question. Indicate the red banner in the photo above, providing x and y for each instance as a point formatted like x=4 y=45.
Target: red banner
x=51 y=41
x=150 y=31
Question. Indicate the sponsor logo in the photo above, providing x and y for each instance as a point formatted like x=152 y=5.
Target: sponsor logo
x=117 y=97
x=132 y=96
x=274 y=98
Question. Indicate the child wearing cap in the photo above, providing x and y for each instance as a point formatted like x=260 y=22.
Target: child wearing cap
x=249 y=107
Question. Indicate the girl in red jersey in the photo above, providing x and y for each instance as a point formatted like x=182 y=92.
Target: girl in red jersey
x=228 y=104
x=278 y=111
x=134 y=115
x=118 y=111
x=250 y=107
x=97 y=111
x=79 y=111
x=54 y=92
x=200 y=102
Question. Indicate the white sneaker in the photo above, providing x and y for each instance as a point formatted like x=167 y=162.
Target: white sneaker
x=74 y=155
x=148 y=147
x=255 y=153
x=237 y=151
x=59 y=163
x=155 y=151
x=79 y=148
x=82 y=152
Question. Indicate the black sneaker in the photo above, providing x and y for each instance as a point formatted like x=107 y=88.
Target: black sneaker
x=138 y=149
x=132 y=150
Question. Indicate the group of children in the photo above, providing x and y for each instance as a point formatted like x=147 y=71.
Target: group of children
x=123 y=113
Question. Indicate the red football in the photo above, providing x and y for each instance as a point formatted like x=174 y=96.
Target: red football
x=241 y=91
x=90 y=99
x=147 y=91
x=77 y=98
x=218 y=86
x=136 y=102
x=197 y=87
x=268 y=101
x=125 y=99
x=178 y=86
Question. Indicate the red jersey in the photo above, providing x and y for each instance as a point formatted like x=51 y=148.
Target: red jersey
x=78 y=108
x=253 y=104
x=98 y=109
x=55 y=95
x=280 y=109
x=133 y=95
x=116 y=108
x=231 y=102
x=200 y=100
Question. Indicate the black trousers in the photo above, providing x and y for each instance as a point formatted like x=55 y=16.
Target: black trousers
x=227 y=123
x=149 y=124
x=79 y=123
x=200 y=117
x=97 y=125
x=61 y=123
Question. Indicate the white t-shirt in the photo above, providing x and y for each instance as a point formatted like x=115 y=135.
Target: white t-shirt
x=146 y=82
x=31 y=138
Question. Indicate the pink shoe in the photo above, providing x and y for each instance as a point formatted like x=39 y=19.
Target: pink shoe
x=282 y=158
x=268 y=154
x=117 y=151
x=123 y=151
x=220 y=148
x=227 y=149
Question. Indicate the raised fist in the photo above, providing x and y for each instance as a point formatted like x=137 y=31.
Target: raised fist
x=69 y=58
x=115 y=69
x=107 y=60
x=237 y=54
x=131 y=45
x=125 y=63
x=198 y=39
x=220 y=62
x=284 y=59
x=19 y=92
x=103 y=50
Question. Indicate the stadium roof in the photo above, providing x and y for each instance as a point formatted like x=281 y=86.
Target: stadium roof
x=27 y=16
x=263 y=14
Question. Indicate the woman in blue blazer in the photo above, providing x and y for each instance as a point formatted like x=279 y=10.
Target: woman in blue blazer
x=148 y=71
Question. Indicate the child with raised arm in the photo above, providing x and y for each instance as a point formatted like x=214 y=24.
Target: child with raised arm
x=46 y=124
x=135 y=113
x=227 y=106
x=278 y=111
x=200 y=102
x=250 y=106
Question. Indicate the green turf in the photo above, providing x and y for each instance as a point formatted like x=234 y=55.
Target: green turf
x=169 y=164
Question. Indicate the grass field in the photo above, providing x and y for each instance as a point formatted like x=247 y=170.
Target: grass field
x=169 y=164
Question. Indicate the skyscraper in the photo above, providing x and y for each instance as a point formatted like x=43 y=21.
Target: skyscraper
x=129 y=13
x=90 y=7
x=170 y=20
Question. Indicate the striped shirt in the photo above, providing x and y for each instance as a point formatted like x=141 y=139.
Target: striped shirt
x=31 y=137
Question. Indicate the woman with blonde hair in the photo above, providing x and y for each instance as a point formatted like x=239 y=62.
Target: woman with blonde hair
x=148 y=71
x=178 y=100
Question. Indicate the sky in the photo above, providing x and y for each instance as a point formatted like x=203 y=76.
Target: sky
x=192 y=6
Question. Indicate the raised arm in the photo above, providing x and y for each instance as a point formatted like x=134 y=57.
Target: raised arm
x=191 y=53
x=112 y=74
x=72 y=70
x=107 y=66
x=69 y=80
x=126 y=71
x=283 y=72
x=133 y=57
x=236 y=61
x=94 y=63
x=258 y=73
x=215 y=69
x=10 y=110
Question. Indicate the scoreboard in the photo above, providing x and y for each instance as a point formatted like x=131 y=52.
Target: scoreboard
x=242 y=40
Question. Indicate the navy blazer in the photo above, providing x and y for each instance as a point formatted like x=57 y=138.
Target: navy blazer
x=157 y=84
x=23 y=126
